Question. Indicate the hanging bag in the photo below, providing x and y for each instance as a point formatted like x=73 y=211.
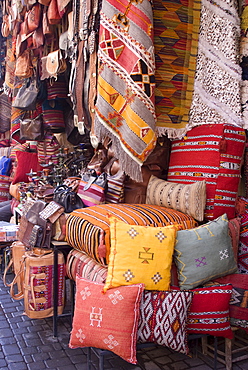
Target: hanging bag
x=32 y=129
x=24 y=67
x=27 y=95
x=92 y=188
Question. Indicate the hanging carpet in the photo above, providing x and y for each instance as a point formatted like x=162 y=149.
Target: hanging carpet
x=125 y=109
x=217 y=85
x=176 y=29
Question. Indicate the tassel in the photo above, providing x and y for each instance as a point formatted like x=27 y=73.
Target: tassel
x=223 y=145
x=102 y=246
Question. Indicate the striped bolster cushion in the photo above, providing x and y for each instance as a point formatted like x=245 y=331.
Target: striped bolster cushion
x=87 y=229
x=79 y=263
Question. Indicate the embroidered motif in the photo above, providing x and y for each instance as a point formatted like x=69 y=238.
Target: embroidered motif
x=201 y=262
x=223 y=254
x=145 y=256
x=80 y=335
x=132 y=232
x=94 y=316
x=160 y=236
x=128 y=275
x=115 y=297
x=85 y=293
x=156 y=278
x=111 y=342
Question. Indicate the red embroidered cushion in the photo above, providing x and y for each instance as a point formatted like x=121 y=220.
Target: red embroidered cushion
x=209 y=312
x=163 y=318
x=107 y=321
x=239 y=301
x=212 y=153
x=4 y=188
x=26 y=161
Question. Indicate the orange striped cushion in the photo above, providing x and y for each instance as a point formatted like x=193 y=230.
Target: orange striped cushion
x=87 y=229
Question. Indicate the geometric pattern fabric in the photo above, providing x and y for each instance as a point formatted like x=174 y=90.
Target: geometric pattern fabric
x=163 y=318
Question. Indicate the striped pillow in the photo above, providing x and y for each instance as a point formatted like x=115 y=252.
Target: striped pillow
x=87 y=229
x=187 y=198
x=212 y=153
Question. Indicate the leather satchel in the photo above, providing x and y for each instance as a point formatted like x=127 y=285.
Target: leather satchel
x=34 y=231
x=32 y=129
x=24 y=67
x=33 y=17
x=26 y=97
x=38 y=283
x=64 y=196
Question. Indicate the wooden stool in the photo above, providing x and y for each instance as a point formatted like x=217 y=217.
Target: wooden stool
x=230 y=355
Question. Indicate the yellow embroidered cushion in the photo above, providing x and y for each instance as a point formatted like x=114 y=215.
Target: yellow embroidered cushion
x=140 y=254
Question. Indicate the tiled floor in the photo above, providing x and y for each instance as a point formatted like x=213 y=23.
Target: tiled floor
x=30 y=344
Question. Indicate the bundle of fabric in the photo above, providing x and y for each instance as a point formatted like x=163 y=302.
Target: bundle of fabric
x=125 y=101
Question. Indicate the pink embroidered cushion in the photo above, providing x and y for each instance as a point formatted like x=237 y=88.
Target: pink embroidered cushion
x=107 y=321
x=163 y=318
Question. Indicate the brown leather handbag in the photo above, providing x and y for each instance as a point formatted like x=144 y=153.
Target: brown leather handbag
x=53 y=13
x=33 y=17
x=32 y=129
x=24 y=67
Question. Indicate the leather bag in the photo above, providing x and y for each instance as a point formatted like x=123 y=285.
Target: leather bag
x=67 y=198
x=17 y=252
x=53 y=13
x=38 y=283
x=33 y=17
x=32 y=129
x=24 y=67
x=26 y=96
x=34 y=231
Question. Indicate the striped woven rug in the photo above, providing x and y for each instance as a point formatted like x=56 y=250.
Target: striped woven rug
x=176 y=27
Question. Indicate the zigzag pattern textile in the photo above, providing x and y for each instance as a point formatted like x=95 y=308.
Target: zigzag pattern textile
x=176 y=28
x=125 y=100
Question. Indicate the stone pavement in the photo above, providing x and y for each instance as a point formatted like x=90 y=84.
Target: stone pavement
x=30 y=344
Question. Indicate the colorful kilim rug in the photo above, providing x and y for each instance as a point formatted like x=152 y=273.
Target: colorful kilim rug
x=125 y=109
x=176 y=28
x=216 y=97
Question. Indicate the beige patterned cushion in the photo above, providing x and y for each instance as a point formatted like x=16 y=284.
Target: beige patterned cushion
x=187 y=198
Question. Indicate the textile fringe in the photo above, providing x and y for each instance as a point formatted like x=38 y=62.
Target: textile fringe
x=172 y=133
x=128 y=163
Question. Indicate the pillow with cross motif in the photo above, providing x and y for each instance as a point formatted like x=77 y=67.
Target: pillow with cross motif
x=204 y=253
x=108 y=321
x=140 y=254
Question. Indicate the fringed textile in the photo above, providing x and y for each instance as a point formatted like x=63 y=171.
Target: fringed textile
x=125 y=109
x=216 y=97
x=176 y=29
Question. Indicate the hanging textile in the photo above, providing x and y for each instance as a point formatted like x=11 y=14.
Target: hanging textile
x=125 y=92
x=216 y=97
x=176 y=28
